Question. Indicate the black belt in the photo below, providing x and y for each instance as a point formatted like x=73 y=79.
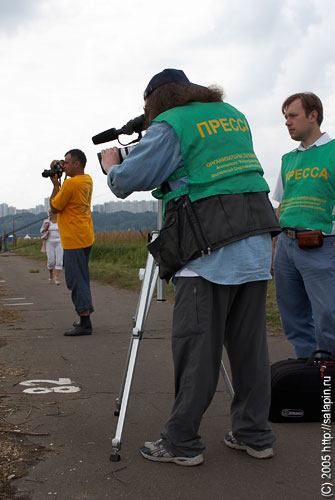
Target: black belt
x=293 y=231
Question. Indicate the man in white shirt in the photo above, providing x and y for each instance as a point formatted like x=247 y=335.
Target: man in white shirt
x=305 y=250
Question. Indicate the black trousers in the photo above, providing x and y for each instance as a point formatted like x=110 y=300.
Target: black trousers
x=206 y=317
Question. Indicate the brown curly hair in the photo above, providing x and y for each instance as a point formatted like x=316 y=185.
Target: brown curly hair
x=172 y=95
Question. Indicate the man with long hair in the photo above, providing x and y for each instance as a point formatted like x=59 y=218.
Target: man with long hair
x=216 y=246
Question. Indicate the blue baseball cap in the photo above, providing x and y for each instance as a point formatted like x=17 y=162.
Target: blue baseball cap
x=167 y=76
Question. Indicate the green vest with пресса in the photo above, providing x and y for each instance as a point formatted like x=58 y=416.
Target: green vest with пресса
x=217 y=151
x=309 y=188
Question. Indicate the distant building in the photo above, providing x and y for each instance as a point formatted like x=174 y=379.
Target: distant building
x=38 y=209
x=107 y=208
x=24 y=210
x=3 y=209
x=128 y=206
x=98 y=208
x=46 y=204
x=6 y=210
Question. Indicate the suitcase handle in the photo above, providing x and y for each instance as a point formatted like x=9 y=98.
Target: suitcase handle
x=311 y=360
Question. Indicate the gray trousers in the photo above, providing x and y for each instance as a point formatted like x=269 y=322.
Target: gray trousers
x=206 y=317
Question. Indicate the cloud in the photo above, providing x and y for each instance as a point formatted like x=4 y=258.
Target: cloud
x=14 y=13
x=71 y=69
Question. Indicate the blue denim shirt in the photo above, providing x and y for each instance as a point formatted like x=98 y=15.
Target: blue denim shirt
x=147 y=166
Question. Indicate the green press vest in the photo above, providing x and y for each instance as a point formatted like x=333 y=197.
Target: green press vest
x=216 y=147
x=309 y=188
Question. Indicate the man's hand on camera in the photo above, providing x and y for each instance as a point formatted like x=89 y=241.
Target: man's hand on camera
x=55 y=180
x=54 y=162
x=109 y=158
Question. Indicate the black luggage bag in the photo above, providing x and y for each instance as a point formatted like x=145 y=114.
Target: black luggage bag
x=303 y=390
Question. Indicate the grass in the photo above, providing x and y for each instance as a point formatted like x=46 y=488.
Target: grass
x=272 y=313
x=116 y=258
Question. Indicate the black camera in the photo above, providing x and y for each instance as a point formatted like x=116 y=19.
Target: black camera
x=137 y=125
x=57 y=169
x=123 y=152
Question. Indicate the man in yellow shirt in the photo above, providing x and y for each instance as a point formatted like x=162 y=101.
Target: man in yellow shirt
x=72 y=203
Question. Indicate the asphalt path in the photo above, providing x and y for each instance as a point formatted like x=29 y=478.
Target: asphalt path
x=75 y=416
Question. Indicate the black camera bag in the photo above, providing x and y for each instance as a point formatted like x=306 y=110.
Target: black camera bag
x=195 y=229
x=303 y=390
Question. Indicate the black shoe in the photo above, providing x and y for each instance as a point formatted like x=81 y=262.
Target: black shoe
x=78 y=322
x=78 y=330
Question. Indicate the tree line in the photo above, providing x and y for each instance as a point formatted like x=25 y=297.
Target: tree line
x=29 y=223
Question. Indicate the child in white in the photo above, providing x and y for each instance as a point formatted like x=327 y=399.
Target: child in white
x=54 y=248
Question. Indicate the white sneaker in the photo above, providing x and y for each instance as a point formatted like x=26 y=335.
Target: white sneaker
x=232 y=442
x=156 y=452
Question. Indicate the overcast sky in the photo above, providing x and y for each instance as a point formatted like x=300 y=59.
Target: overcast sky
x=73 y=68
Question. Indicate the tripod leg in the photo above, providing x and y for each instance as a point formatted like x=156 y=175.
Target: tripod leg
x=116 y=442
x=142 y=309
x=227 y=379
x=119 y=398
x=145 y=298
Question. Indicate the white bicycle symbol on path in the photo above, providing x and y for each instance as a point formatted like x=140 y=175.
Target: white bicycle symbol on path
x=62 y=385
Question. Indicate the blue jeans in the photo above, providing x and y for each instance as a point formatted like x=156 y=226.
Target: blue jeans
x=305 y=290
x=78 y=279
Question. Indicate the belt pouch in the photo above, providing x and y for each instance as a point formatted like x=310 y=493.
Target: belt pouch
x=310 y=239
